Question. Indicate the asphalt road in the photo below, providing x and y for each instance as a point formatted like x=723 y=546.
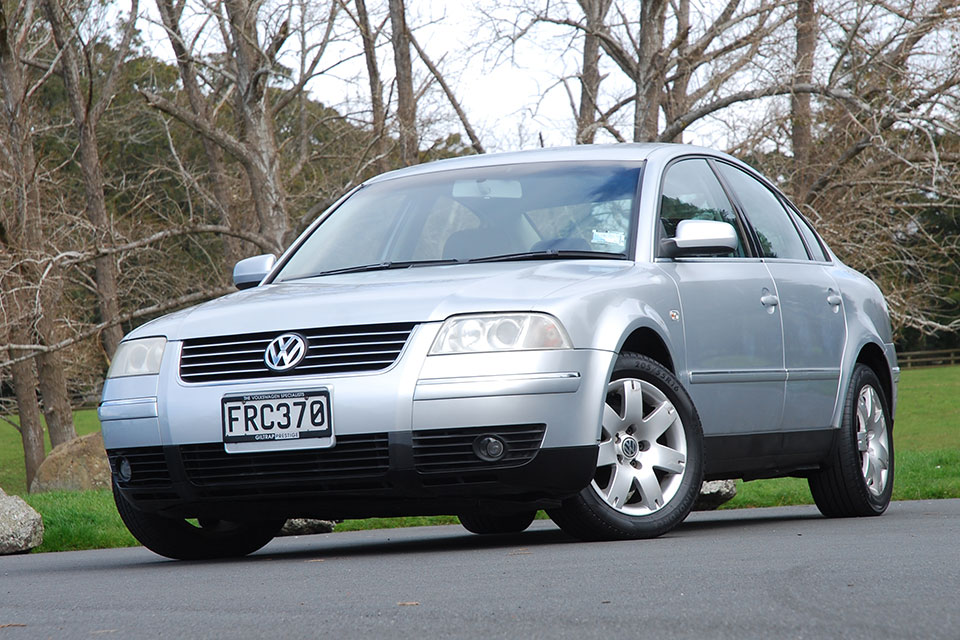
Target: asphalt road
x=764 y=573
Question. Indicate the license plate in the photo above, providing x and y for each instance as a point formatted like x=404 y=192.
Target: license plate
x=284 y=415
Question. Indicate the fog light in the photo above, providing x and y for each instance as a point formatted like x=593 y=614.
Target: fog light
x=124 y=472
x=489 y=448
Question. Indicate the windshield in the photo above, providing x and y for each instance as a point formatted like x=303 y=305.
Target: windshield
x=513 y=212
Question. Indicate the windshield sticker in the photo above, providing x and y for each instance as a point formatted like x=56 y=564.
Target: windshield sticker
x=608 y=237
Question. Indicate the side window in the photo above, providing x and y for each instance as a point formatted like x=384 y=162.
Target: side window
x=691 y=191
x=778 y=237
x=813 y=243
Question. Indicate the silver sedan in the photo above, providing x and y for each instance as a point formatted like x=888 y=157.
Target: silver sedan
x=592 y=331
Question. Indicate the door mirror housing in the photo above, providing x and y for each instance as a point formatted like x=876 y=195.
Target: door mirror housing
x=698 y=237
x=250 y=271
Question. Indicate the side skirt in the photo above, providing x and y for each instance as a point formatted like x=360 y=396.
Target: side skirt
x=767 y=455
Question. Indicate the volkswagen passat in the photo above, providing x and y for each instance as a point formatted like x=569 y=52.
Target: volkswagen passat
x=591 y=331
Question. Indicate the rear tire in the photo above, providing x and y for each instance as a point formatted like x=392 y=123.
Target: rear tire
x=858 y=478
x=180 y=540
x=650 y=460
x=489 y=523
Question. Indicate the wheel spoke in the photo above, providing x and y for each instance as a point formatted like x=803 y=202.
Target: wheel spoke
x=612 y=422
x=880 y=454
x=868 y=403
x=650 y=491
x=665 y=458
x=620 y=485
x=607 y=454
x=863 y=416
x=632 y=402
x=659 y=420
x=868 y=469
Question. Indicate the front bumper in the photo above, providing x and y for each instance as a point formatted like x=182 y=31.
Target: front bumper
x=545 y=404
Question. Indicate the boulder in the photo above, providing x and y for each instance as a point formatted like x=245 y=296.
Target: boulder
x=306 y=527
x=21 y=528
x=714 y=493
x=78 y=465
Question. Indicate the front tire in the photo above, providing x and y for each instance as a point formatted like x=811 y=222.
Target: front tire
x=858 y=479
x=181 y=540
x=650 y=459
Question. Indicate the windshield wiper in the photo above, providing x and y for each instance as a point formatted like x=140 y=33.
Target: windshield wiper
x=551 y=254
x=379 y=266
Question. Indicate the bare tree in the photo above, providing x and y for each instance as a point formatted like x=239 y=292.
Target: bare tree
x=595 y=13
x=406 y=102
x=251 y=58
x=801 y=123
x=88 y=107
x=24 y=228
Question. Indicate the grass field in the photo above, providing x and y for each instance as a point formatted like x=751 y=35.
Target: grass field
x=926 y=435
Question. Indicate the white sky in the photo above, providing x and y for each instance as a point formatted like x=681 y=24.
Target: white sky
x=511 y=100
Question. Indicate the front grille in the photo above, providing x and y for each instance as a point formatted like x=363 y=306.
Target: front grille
x=355 y=462
x=330 y=350
x=149 y=474
x=451 y=450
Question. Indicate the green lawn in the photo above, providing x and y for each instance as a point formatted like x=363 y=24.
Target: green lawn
x=12 y=475
x=927 y=438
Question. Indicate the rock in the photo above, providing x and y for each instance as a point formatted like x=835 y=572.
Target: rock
x=306 y=527
x=714 y=493
x=78 y=465
x=21 y=528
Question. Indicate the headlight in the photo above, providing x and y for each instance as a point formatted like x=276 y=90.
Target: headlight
x=137 y=358
x=513 y=332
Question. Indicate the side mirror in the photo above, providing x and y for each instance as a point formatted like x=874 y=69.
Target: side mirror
x=697 y=237
x=250 y=271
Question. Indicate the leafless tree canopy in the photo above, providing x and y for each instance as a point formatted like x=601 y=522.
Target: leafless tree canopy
x=148 y=145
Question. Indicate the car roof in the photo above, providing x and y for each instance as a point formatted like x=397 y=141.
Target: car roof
x=622 y=152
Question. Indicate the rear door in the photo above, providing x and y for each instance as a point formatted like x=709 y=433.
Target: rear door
x=814 y=324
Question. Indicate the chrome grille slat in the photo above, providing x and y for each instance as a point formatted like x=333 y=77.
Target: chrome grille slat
x=329 y=350
x=214 y=354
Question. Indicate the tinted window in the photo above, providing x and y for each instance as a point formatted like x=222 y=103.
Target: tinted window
x=778 y=237
x=691 y=191
x=813 y=243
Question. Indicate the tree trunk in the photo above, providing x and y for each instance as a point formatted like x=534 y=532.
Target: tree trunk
x=801 y=125
x=406 y=105
x=677 y=100
x=261 y=162
x=649 y=80
x=106 y=275
x=85 y=121
x=26 y=235
x=31 y=429
x=234 y=248
x=376 y=85
x=595 y=12
x=53 y=384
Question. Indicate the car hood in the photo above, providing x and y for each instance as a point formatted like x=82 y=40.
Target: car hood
x=419 y=294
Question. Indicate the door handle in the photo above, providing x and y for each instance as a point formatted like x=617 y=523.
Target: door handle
x=769 y=300
x=834 y=300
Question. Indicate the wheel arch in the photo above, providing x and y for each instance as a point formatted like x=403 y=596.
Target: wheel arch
x=872 y=356
x=648 y=342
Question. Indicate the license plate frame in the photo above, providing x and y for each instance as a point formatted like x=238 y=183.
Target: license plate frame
x=292 y=415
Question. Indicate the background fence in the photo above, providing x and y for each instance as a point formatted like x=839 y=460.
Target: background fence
x=910 y=359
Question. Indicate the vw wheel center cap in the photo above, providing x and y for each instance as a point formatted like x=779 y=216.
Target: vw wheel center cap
x=630 y=447
x=285 y=352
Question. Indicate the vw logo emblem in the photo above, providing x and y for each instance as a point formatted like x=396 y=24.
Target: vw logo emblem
x=285 y=352
x=630 y=447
